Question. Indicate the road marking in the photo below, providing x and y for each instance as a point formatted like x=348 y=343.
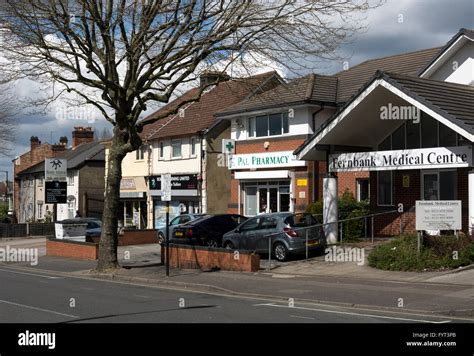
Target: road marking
x=29 y=274
x=301 y=317
x=356 y=314
x=38 y=309
x=141 y=296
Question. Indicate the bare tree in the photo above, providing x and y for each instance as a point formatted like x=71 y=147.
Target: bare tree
x=7 y=129
x=120 y=55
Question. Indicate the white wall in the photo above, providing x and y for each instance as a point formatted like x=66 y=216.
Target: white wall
x=185 y=164
x=300 y=124
x=131 y=167
x=459 y=67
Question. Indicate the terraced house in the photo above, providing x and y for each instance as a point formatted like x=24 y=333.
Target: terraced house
x=187 y=145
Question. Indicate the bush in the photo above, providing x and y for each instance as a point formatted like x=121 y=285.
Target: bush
x=436 y=253
x=348 y=207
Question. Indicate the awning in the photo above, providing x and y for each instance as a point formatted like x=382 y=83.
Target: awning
x=133 y=187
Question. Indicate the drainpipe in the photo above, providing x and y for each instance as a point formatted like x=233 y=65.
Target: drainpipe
x=201 y=181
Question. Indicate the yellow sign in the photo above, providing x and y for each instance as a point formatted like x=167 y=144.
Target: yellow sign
x=301 y=182
x=406 y=181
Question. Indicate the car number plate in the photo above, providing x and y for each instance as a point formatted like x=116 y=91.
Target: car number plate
x=178 y=233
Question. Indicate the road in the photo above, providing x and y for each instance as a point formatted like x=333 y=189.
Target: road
x=34 y=297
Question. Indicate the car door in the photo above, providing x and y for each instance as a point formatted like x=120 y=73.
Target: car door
x=266 y=230
x=248 y=234
x=173 y=223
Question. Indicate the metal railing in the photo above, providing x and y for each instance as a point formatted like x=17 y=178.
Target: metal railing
x=340 y=223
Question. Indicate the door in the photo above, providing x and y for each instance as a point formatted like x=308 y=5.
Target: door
x=248 y=234
x=273 y=200
x=263 y=200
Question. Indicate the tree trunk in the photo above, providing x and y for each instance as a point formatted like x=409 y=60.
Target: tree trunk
x=109 y=236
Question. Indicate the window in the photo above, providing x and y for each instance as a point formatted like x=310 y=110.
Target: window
x=40 y=210
x=385 y=188
x=268 y=223
x=386 y=144
x=176 y=148
x=31 y=181
x=439 y=185
x=262 y=126
x=70 y=178
x=140 y=153
x=251 y=224
x=193 y=146
x=362 y=189
x=429 y=132
x=413 y=135
x=447 y=137
x=268 y=125
x=40 y=181
x=162 y=150
x=398 y=138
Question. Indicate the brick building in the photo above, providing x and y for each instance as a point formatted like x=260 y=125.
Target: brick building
x=412 y=130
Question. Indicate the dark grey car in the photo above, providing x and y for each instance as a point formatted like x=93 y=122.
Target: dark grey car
x=288 y=234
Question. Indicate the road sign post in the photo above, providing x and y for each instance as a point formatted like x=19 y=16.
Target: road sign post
x=166 y=196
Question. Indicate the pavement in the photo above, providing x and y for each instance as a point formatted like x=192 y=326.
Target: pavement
x=313 y=284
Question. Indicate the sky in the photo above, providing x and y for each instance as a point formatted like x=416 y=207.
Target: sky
x=399 y=26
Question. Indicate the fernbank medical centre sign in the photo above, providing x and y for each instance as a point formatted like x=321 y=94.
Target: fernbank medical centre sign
x=424 y=158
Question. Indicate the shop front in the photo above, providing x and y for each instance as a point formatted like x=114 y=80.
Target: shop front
x=269 y=182
x=185 y=197
x=133 y=202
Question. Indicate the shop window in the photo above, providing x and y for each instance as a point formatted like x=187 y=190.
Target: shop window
x=429 y=132
x=385 y=188
x=362 y=189
x=413 y=135
x=176 y=148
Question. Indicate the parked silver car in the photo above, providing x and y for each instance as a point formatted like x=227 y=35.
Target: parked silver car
x=178 y=220
x=287 y=230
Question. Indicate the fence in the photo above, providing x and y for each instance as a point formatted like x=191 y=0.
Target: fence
x=340 y=224
x=25 y=230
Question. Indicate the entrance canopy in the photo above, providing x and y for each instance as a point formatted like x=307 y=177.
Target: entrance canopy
x=380 y=108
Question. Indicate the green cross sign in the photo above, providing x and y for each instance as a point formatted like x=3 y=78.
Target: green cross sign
x=229 y=146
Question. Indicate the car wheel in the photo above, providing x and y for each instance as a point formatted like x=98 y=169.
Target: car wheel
x=229 y=245
x=280 y=251
x=161 y=238
x=211 y=243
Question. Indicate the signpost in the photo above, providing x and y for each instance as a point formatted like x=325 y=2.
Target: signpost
x=55 y=174
x=166 y=196
x=438 y=215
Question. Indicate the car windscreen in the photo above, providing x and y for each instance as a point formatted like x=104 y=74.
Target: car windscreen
x=198 y=220
x=300 y=220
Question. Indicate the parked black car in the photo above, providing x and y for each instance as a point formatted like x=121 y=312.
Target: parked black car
x=288 y=234
x=206 y=230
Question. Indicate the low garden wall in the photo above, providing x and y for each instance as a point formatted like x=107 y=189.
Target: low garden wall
x=72 y=249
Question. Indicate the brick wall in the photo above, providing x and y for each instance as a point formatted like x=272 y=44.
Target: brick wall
x=196 y=257
x=348 y=181
x=138 y=237
x=390 y=224
x=72 y=249
x=276 y=144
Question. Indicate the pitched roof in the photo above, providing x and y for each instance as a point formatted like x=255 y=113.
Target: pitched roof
x=91 y=151
x=455 y=102
x=451 y=100
x=407 y=63
x=462 y=32
x=313 y=88
x=335 y=89
x=199 y=115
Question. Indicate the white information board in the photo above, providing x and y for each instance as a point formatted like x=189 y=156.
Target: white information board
x=55 y=169
x=166 y=187
x=438 y=215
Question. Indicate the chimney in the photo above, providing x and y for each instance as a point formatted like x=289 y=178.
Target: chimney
x=82 y=135
x=34 y=142
x=210 y=77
